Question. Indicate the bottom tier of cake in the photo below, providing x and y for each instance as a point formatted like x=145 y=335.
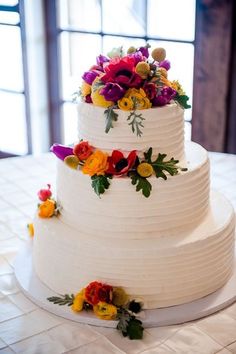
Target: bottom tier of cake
x=164 y=271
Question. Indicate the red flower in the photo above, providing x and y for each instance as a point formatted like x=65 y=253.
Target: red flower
x=118 y=164
x=83 y=150
x=45 y=194
x=150 y=90
x=96 y=292
x=122 y=72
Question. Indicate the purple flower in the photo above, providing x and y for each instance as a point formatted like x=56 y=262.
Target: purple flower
x=144 y=51
x=137 y=56
x=89 y=76
x=112 y=91
x=165 y=64
x=61 y=151
x=166 y=95
x=101 y=59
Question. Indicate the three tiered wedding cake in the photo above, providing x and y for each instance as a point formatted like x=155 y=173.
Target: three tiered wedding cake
x=148 y=223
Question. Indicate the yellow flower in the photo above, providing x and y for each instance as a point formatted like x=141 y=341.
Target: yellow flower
x=144 y=169
x=31 y=229
x=47 y=208
x=137 y=97
x=78 y=302
x=143 y=69
x=119 y=297
x=105 y=311
x=126 y=104
x=96 y=164
x=99 y=100
x=85 y=89
x=177 y=87
x=163 y=72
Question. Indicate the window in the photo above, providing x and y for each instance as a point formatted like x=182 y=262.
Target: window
x=87 y=28
x=14 y=139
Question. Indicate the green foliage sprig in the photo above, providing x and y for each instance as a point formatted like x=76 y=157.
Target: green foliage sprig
x=160 y=166
x=100 y=183
x=62 y=300
x=136 y=122
x=128 y=324
x=111 y=117
x=182 y=100
x=141 y=183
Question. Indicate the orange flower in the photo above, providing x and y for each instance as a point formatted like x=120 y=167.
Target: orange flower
x=96 y=164
x=47 y=209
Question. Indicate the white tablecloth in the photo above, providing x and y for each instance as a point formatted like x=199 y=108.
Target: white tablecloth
x=25 y=328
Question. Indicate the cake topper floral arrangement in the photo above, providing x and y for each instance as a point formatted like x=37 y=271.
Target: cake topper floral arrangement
x=131 y=82
x=102 y=167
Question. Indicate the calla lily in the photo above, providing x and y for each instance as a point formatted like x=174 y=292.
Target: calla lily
x=61 y=151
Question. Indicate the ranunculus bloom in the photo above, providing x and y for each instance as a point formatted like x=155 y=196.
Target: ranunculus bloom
x=112 y=91
x=83 y=150
x=96 y=164
x=105 y=311
x=90 y=76
x=166 y=95
x=99 y=100
x=96 y=292
x=138 y=97
x=85 y=89
x=126 y=104
x=47 y=209
x=45 y=194
x=150 y=90
x=61 y=151
x=122 y=71
x=78 y=302
x=119 y=165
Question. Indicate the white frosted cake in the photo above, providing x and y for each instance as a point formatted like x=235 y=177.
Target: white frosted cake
x=167 y=244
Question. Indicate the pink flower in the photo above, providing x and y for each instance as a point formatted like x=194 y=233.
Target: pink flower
x=45 y=194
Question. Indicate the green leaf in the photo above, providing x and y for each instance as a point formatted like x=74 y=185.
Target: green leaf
x=62 y=300
x=136 y=122
x=100 y=184
x=148 y=155
x=141 y=184
x=135 y=329
x=182 y=100
x=111 y=117
x=159 y=166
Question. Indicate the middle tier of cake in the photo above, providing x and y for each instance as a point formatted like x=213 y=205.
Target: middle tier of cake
x=177 y=203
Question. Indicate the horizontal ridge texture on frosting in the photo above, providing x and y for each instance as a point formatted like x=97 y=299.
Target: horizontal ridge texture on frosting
x=164 y=271
x=163 y=130
x=121 y=212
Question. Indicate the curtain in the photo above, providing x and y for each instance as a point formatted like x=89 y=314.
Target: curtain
x=214 y=93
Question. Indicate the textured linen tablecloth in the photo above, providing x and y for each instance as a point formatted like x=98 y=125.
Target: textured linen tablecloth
x=25 y=328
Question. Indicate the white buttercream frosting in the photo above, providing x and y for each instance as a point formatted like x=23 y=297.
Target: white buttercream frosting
x=122 y=212
x=163 y=130
x=163 y=271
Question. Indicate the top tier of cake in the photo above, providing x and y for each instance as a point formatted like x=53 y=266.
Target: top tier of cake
x=163 y=130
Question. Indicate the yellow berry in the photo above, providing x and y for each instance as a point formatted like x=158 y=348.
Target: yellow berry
x=144 y=169
x=143 y=69
x=159 y=54
x=72 y=161
x=131 y=50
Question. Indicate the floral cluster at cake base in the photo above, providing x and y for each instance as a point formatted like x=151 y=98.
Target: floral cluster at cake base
x=107 y=303
x=131 y=81
x=102 y=167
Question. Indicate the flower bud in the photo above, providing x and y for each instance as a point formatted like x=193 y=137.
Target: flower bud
x=159 y=54
x=143 y=69
x=131 y=50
